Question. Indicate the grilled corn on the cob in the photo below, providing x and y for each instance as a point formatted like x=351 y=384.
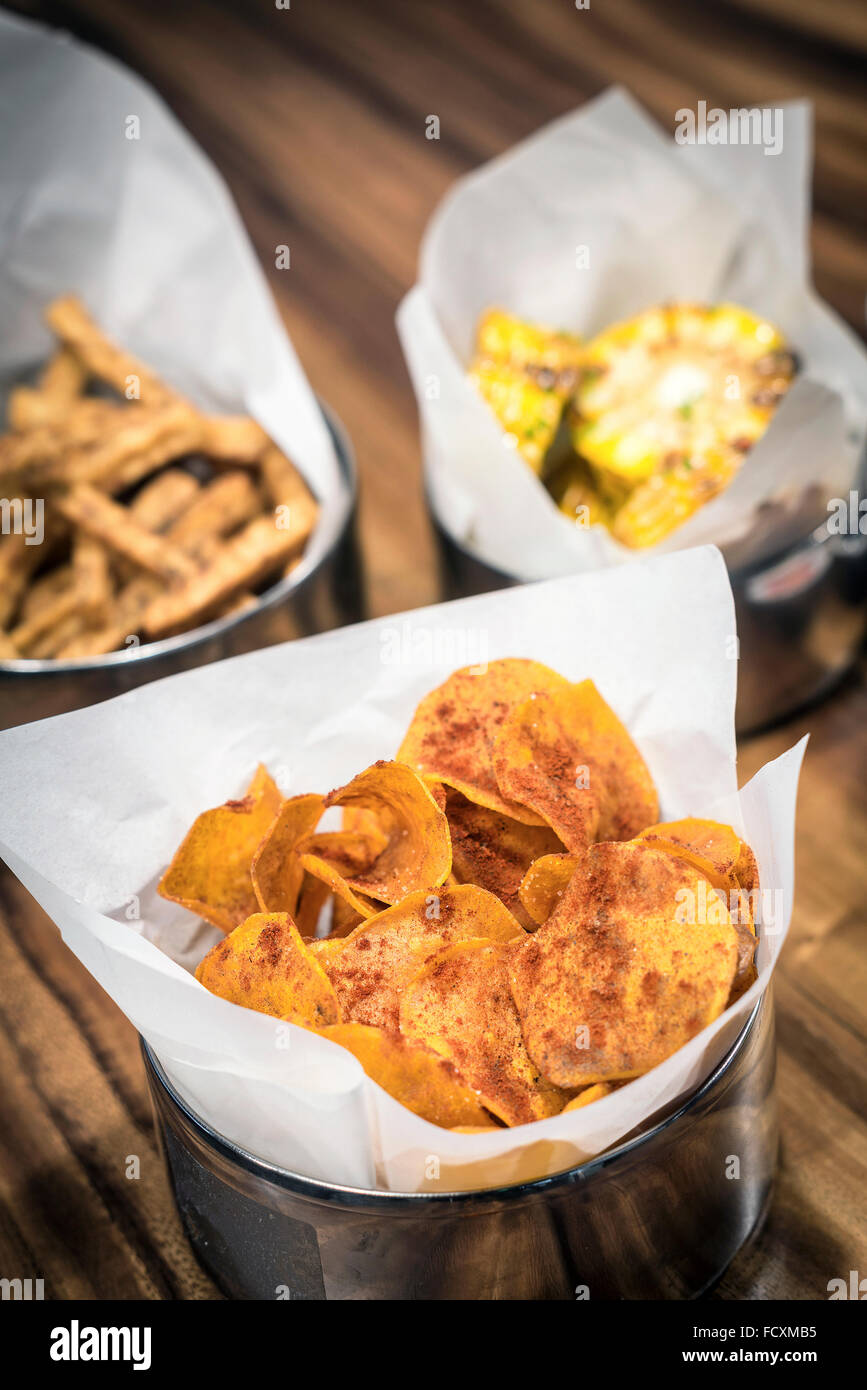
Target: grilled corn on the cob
x=675 y=396
x=526 y=374
x=661 y=408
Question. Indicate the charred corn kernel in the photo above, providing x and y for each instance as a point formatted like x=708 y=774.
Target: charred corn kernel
x=527 y=412
x=680 y=382
x=653 y=509
x=526 y=373
x=552 y=358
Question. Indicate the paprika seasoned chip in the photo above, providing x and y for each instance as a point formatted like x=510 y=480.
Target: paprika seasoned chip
x=322 y=946
x=623 y=973
x=327 y=874
x=714 y=849
x=418 y=851
x=312 y=897
x=210 y=872
x=351 y=851
x=345 y=918
x=413 y=1074
x=331 y=856
x=719 y=853
x=277 y=872
x=459 y=1004
x=567 y=756
x=357 y=821
x=495 y=851
x=379 y=958
x=452 y=733
x=544 y=883
x=264 y=965
x=588 y=1095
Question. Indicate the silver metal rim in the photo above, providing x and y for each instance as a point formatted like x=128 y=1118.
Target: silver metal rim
x=343 y=1194
x=812 y=535
x=333 y=524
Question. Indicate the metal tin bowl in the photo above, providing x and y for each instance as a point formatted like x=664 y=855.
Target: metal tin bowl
x=318 y=595
x=658 y=1217
x=800 y=601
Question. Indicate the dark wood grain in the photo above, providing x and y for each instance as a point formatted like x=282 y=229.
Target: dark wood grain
x=315 y=116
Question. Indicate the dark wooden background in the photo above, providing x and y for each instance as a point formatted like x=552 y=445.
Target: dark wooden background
x=316 y=116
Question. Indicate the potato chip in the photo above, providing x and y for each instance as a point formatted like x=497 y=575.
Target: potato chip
x=452 y=733
x=344 y=918
x=210 y=872
x=264 y=965
x=747 y=870
x=718 y=852
x=350 y=851
x=495 y=851
x=324 y=946
x=588 y=1095
x=714 y=849
x=619 y=977
x=568 y=756
x=460 y=1005
x=277 y=871
x=312 y=897
x=418 y=851
x=422 y=1080
x=438 y=790
x=358 y=821
x=378 y=959
x=333 y=854
x=544 y=883
x=359 y=903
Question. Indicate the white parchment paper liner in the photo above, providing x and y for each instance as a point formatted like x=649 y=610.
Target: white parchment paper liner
x=94 y=803
x=660 y=221
x=146 y=233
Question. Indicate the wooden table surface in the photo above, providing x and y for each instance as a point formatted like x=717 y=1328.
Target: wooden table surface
x=316 y=117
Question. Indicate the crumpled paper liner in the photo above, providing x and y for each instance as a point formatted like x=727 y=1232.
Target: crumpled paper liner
x=660 y=221
x=145 y=232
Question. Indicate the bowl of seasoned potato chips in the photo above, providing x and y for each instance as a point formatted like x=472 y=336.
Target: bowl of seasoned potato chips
x=500 y=930
x=453 y=978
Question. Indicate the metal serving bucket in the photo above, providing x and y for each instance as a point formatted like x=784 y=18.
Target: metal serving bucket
x=801 y=605
x=658 y=1217
x=314 y=598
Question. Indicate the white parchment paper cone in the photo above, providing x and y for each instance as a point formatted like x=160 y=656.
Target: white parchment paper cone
x=660 y=221
x=95 y=802
x=146 y=233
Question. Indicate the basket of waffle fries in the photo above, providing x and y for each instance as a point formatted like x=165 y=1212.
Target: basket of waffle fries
x=170 y=489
